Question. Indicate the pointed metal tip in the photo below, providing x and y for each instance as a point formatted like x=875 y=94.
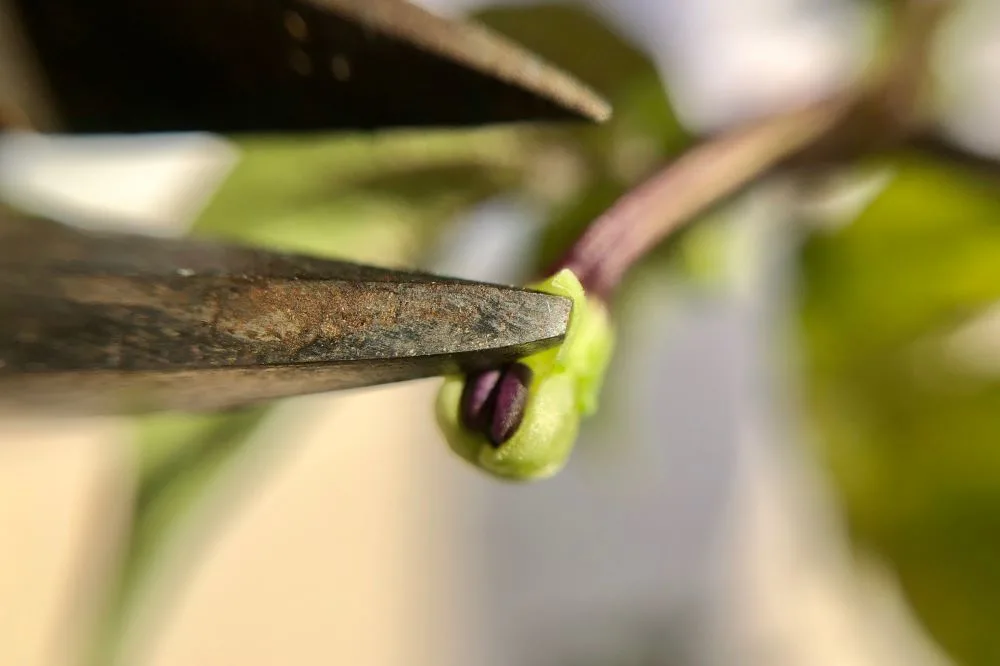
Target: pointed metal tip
x=480 y=49
x=601 y=111
x=285 y=66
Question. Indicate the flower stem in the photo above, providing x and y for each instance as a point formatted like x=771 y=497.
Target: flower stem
x=685 y=188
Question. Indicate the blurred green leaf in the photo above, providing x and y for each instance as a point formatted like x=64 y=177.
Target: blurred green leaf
x=377 y=198
x=912 y=441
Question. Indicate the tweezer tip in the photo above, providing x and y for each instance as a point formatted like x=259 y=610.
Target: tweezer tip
x=480 y=48
x=600 y=110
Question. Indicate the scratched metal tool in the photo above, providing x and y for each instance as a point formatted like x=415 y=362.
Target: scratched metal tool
x=115 y=324
x=281 y=65
x=112 y=323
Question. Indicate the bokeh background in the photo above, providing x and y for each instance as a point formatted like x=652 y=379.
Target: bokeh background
x=797 y=458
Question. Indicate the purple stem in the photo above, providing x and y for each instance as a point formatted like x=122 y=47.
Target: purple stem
x=687 y=187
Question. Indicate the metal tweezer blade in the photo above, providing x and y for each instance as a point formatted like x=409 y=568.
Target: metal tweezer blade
x=101 y=323
x=236 y=66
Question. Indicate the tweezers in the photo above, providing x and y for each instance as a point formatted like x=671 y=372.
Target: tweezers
x=102 y=323
x=249 y=66
x=118 y=323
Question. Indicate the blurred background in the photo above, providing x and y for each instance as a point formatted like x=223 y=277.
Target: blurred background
x=797 y=457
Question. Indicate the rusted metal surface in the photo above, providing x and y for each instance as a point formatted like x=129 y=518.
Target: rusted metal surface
x=113 y=323
x=285 y=65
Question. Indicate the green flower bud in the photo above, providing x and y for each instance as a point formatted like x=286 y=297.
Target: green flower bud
x=565 y=386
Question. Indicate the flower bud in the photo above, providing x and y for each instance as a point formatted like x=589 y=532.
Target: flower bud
x=533 y=407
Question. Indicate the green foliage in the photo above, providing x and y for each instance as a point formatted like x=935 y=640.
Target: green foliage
x=910 y=435
x=366 y=198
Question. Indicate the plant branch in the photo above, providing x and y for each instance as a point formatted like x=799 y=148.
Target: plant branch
x=697 y=180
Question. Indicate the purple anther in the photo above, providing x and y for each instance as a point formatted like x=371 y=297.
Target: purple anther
x=510 y=403
x=477 y=407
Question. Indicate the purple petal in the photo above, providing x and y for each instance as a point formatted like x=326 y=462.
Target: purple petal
x=477 y=408
x=510 y=403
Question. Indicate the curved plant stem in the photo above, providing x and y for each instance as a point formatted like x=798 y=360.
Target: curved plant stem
x=697 y=180
x=884 y=113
